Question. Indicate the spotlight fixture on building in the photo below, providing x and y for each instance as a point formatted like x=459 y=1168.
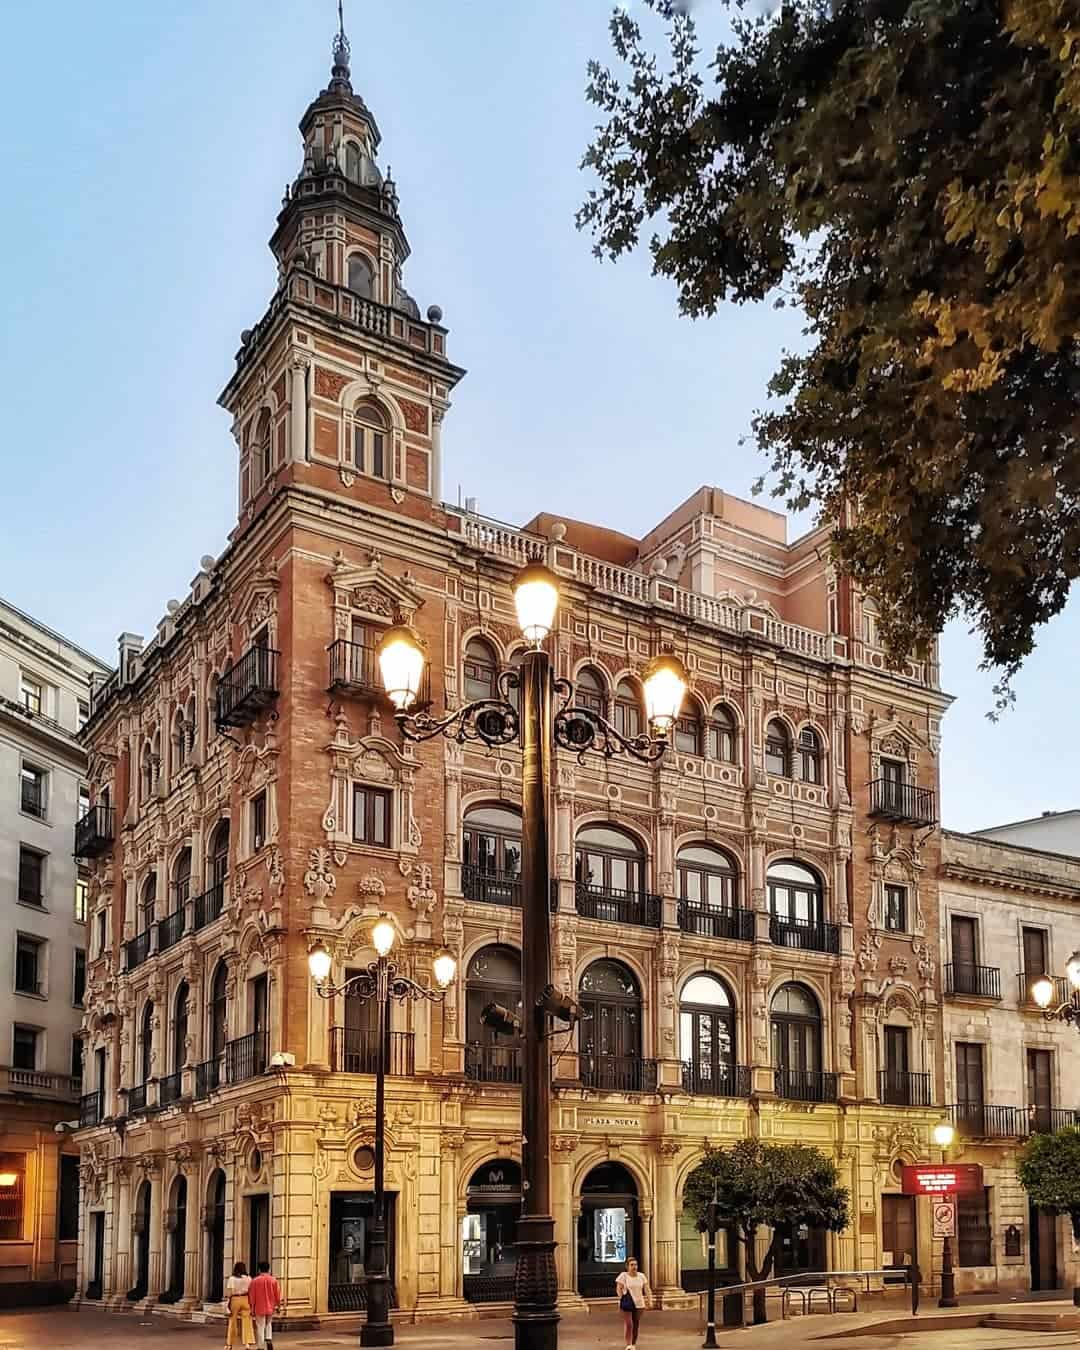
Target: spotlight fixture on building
x=539 y=726
x=501 y=1020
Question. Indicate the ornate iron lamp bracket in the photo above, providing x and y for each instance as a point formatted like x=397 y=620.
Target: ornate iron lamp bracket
x=365 y=986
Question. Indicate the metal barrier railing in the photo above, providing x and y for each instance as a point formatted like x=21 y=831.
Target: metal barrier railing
x=806 y=1284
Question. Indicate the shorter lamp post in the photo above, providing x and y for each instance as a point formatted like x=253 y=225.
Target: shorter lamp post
x=712 y=1223
x=944 y=1134
x=1044 y=991
x=382 y=982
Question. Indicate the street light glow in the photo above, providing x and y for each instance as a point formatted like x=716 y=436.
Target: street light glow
x=1042 y=991
x=944 y=1133
x=401 y=664
x=665 y=689
x=445 y=968
x=536 y=598
x=1072 y=970
x=382 y=937
x=319 y=963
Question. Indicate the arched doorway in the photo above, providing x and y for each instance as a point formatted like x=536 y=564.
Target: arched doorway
x=494 y=976
x=491 y=855
x=795 y=1018
x=609 y=1229
x=215 y=1237
x=176 y=1227
x=610 y=1030
x=707 y=1038
x=609 y=872
x=488 y=1231
x=140 y=1227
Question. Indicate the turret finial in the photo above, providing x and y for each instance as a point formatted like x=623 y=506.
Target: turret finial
x=339 y=73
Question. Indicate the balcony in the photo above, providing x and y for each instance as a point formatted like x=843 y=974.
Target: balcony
x=615 y=906
x=91 y=1109
x=903 y=1089
x=903 y=803
x=617 y=1073
x=247 y=687
x=1063 y=990
x=170 y=1088
x=245 y=1057
x=493 y=1063
x=137 y=1099
x=94 y=832
x=805 y=1085
x=356 y=1050
x=207 y=1077
x=965 y=981
x=491 y=887
x=208 y=906
x=977 y=1120
x=705 y=921
x=137 y=949
x=1048 y=1119
x=804 y=935
x=170 y=930
x=354 y=669
x=32 y=797
x=39 y=1083
x=725 y=1080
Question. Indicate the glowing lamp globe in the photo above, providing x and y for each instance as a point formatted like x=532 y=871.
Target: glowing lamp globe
x=1042 y=991
x=1072 y=970
x=382 y=937
x=445 y=968
x=536 y=598
x=944 y=1134
x=319 y=963
x=665 y=689
x=401 y=664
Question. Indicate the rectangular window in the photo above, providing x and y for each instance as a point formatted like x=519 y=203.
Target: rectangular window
x=12 y=1173
x=1034 y=951
x=67 y=1223
x=1040 y=1089
x=258 y=822
x=969 y=1074
x=31 y=694
x=33 y=786
x=371 y=816
x=896 y=909
x=84 y=713
x=378 y=455
x=82 y=891
x=964 y=946
x=24 y=1048
x=28 y=964
x=76 y=1061
x=973 y=1228
x=102 y=931
x=78 y=979
x=31 y=876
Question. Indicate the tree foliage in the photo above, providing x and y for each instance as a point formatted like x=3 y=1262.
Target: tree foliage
x=771 y=1185
x=1049 y=1170
x=908 y=172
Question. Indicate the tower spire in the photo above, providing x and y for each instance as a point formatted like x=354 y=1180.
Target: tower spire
x=339 y=71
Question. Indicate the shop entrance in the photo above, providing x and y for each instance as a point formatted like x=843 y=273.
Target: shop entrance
x=215 y=1238
x=488 y=1230
x=802 y=1249
x=351 y=1213
x=609 y=1229
x=142 y=1244
x=1043 y=1230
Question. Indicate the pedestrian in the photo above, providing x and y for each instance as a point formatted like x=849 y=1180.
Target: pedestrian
x=236 y=1293
x=265 y=1296
x=634 y=1293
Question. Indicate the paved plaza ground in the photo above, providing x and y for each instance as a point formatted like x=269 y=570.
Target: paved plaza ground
x=88 y=1329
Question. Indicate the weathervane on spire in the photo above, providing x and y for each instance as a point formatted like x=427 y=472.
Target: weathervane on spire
x=340 y=72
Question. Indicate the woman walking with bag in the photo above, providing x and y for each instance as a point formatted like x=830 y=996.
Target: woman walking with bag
x=240 y=1330
x=634 y=1293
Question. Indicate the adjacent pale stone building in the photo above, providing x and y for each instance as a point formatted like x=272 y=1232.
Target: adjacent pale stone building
x=750 y=926
x=44 y=700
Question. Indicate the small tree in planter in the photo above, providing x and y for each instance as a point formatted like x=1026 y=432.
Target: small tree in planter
x=1049 y=1170
x=767 y=1184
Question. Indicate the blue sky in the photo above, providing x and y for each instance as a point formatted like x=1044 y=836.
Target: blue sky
x=145 y=147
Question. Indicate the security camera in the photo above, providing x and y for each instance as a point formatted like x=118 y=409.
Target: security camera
x=559 y=1005
x=501 y=1020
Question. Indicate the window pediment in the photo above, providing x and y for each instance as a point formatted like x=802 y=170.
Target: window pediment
x=372 y=593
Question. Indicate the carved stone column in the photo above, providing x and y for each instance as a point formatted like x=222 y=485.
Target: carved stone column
x=667 y=1051
x=665 y=1276
x=156 y=1235
x=563 y=1148
x=298 y=370
x=121 y=1278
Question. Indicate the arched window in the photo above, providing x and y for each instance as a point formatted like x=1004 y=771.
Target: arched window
x=707 y=1038
x=707 y=877
x=777 y=750
x=796 y=1043
x=148 y=903
x=610 y=1030
x=609 y=862
x=264 y=445
x=180 y=741
x=370 y=428
x=180 y=1026
x=480 y=667
x=722 y=731
x=494 y=976
x=687 y=738
x=491 y=855
x=589 y=691
x=809 y=756
x=361 y=276
x=146 y=764
x=354 y=162
x=629 y=718
x=146 y=1043
x=219 y=852
x=797 y=906
x=182 y=879
x=218 y=1013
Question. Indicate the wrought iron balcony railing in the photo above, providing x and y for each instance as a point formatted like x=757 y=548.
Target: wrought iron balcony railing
x=245 y=1057
x=903 y=802
x=1063 y=990
x=136 y=1099
x=968 y=981
x=617 y=1073
x=804 y=935
x=903 y=1089
x=207 y=1077
x=208 y=906
x=492 y=887
x=493 y=1063
x=94 y=832
x=137 y=949
x=1048 y=1119
x=615 y=906
x=170 y=930
x=706 y=921
x=169 y=1089
x=354 y=1050
x=247 y=687
x=91 y=1108
x=805 y=1085
x=354 y=669
x=980 y=1120
x=707 y=1080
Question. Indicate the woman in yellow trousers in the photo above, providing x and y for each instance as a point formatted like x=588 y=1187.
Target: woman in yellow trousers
x=241 y=1330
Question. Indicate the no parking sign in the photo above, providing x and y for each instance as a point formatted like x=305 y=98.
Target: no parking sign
x=944 y=1218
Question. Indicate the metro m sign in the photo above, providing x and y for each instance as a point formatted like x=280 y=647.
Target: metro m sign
x=957 y=1179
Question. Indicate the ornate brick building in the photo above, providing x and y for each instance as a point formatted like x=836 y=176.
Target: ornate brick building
x=750 y=926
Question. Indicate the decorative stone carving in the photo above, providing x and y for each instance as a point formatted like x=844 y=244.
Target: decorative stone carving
x=420 y=894
x=275 y=869
x=319 y=879
x=868 y=955
x=669 y=957
x=371 y=886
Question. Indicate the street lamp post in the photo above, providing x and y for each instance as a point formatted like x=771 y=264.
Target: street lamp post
x=712 y=1224
x=1044 y=991
x=944 y=1134
x=383 y=983
x=540 y=727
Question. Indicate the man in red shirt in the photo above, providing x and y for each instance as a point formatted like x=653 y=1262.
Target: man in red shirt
x=264 y=1294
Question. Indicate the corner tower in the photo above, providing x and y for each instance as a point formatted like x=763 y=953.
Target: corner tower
x=341 y=385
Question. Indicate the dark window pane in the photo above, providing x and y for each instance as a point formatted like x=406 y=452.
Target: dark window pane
x=67 y=1224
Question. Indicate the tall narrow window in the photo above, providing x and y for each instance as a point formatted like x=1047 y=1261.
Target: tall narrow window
x=1034 y=952
x=78 y=978
x=28 y=964
x=266 y=445
x=688 y=728
x=370 y=429
x=258 y=822
x=361 y=277
x=777 y=750
x=809 y=756
x=32 y=790
x=479 y=670
x=148 y=903
x=31 y=876
x=628 y=716
x=371 y=816
x=589 y=691
x=896 y=909
x=31 y=694
x=973 y=1228
x=182 y=879
x=82 y=890
x=24 y=1047
x=722 y=734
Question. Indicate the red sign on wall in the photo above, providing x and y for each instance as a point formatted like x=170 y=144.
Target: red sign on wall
x=957 y=1179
